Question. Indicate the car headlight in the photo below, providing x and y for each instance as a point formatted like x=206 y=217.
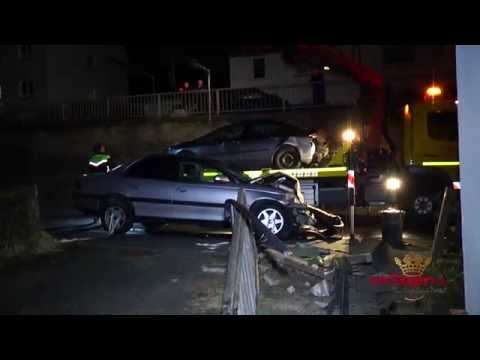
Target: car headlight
x=393 y=184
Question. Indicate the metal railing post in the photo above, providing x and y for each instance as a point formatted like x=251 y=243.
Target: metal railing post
x=217 y=100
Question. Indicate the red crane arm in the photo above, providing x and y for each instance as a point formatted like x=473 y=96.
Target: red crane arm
x=363 y=75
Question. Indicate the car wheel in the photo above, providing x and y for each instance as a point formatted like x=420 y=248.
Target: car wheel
x=287 y=157
x=275 y=217
x=117 y=212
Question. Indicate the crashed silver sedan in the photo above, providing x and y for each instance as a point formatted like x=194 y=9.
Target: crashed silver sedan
x=161 y=188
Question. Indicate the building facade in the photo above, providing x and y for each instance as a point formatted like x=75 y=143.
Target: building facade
x=34 y=77
x=268 y=69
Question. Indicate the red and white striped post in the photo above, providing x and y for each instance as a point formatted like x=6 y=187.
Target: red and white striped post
x=351 y=200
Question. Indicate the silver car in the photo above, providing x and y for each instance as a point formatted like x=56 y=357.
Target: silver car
x=258 y=144
x=160 y=188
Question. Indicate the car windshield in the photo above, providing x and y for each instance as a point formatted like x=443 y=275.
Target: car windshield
x=212 y=164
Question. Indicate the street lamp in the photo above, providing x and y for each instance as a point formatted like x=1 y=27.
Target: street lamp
x=196 y=65
x=349 y=136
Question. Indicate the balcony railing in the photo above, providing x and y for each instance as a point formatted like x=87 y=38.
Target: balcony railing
x=225 y=100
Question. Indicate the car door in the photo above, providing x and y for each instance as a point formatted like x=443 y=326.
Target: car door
x=148 y=186
x=197 y=196
x=256 y=146
x=213 y=145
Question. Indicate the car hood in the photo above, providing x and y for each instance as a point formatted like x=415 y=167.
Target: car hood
x=280 y=181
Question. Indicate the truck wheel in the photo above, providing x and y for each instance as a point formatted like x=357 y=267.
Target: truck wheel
x=275 y=217
x=287 y=157
x=119 y=211
x=423 y=207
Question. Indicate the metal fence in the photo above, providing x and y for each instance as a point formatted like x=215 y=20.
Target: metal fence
x=242 y=284
x=225 y=100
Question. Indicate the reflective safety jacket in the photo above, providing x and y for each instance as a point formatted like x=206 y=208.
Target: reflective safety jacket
x=99 y=163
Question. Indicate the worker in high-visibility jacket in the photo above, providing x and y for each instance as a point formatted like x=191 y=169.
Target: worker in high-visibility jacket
x=100 y=161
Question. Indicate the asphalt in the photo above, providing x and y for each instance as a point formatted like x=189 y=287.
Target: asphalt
x=176 y=270
x=133 y=274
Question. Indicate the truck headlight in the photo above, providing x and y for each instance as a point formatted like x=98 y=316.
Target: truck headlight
x=393 y=183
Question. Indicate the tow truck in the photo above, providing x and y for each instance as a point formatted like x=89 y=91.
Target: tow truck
x=414 y=179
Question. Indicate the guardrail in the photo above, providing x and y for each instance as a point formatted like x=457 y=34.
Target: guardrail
x=224 y=100
x=242 y=284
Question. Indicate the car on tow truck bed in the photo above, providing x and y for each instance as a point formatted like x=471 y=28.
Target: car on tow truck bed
x=159 y=188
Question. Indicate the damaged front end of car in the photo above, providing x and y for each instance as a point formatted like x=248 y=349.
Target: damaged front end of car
x=310 y=222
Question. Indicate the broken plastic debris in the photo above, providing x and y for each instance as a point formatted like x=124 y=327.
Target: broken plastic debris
x=290 y=289
x=307 y=284
x=213 y=270
x=324 y=303
x=270 y=281
x=213 y=246
x=321 y=289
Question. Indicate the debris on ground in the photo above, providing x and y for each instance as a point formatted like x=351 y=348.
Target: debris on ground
x=321 y=289
x=270 y=280
x=174 y=280
x=213 y=270
x=307 y=284
x=324 y=302
x=290 y=289
x=213 y=246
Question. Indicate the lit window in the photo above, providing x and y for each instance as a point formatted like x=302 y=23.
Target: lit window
x=259 y=68
x=25 y=88
x=24 y=52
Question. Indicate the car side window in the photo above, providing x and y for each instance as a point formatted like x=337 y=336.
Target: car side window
x=156 y=168
x=197 y=173
x=263 y=130
x=233 y=132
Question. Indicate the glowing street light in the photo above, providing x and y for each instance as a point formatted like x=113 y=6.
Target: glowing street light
x=349 y=135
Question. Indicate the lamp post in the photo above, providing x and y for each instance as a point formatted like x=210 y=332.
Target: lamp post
x=349 y=136
x=196 y=65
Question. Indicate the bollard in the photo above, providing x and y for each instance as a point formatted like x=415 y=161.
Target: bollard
x=392 y=225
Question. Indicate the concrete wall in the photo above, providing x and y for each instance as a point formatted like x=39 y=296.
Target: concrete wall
x=468 y=84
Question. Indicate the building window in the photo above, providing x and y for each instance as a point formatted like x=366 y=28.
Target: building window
x=25 y=88
x=398 y=54
x=91 y=62
x=24 y=52
x=259 y=68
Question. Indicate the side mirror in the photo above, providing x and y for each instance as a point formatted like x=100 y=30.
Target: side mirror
x=221 y=179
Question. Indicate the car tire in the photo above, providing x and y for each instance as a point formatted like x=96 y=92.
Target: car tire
x=119 y=209
x=287 y=157
x=423 y=208
x=274 y=216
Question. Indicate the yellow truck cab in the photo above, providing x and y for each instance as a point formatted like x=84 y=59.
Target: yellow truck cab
x=430 y=154
x=431 y=135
